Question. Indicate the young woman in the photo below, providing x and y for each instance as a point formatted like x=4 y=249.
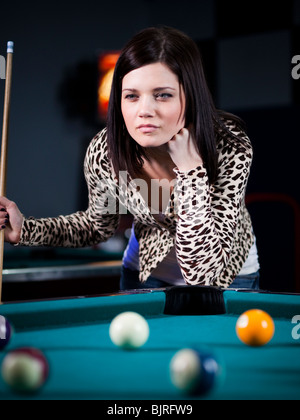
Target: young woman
x=171 y=159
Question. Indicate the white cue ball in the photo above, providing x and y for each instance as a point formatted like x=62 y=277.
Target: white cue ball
x=129 y=330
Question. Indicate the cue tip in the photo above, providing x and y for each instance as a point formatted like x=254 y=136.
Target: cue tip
x=10 y=47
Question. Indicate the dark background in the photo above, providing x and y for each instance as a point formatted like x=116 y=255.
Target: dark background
x=247 y=49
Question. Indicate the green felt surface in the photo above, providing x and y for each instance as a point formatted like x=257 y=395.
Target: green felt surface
x=64 y=312
x=84 y=364
x=277 y=305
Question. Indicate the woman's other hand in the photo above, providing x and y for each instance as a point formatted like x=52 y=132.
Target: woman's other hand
x=11 y=220
x=183 y=151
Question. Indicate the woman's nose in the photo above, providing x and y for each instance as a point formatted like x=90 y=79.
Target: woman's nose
x=147 y=108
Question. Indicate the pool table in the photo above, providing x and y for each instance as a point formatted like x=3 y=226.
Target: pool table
x=86 y=365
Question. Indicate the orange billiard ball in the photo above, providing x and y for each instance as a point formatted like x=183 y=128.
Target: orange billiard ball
x=255 y=328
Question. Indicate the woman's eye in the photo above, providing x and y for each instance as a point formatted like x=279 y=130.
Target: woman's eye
x=163 y=96
x=131 y=97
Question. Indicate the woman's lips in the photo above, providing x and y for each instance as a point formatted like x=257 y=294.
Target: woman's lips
x=147 y=128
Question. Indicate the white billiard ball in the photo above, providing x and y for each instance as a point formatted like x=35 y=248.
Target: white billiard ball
x=129 y=330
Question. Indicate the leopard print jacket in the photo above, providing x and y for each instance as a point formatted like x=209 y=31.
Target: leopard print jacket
x=208 y=224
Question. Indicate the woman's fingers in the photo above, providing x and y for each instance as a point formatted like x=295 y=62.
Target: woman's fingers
x=4 y=218
x=11 y=220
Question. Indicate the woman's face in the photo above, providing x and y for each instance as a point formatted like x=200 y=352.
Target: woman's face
x=153 y=105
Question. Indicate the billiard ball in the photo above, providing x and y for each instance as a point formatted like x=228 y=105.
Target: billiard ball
x=6 y=332
x=255 y=328
x=129 y=330
x=194 y=372
x=25 y=370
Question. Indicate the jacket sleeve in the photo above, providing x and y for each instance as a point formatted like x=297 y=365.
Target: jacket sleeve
x=84 y=228
x=208 y=215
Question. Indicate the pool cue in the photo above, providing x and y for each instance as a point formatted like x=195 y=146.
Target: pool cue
x=4 y=146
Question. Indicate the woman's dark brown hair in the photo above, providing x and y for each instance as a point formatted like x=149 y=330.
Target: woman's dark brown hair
x=181 y=54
